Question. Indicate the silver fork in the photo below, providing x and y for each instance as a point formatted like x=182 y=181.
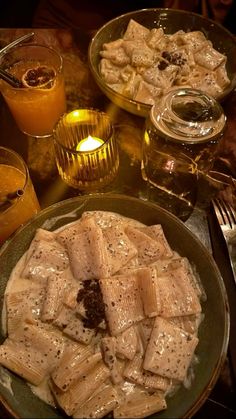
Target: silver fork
x=226 y=216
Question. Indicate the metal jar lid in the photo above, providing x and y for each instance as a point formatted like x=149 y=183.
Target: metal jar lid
x=188 y=116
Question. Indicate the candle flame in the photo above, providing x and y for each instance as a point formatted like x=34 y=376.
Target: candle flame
x=89 y=144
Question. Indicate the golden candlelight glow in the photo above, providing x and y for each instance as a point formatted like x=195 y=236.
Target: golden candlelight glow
x=146 y=138
x=89 y=144
x=86 y=150
x=78 y=115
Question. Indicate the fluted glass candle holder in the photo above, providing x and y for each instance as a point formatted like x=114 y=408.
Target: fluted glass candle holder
x=86 y=151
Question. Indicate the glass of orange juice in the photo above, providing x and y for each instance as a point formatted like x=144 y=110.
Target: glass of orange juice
x=18 y=201
x=40 y=100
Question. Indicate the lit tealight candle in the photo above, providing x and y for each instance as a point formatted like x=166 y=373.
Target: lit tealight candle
x=86 y=150
x=89 y=144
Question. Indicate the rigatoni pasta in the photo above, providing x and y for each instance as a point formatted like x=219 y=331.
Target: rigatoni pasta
x=117 y=333
x=145 y=64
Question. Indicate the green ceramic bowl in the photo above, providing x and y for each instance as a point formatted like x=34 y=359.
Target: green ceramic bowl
x=213 y=333
x=171 y=21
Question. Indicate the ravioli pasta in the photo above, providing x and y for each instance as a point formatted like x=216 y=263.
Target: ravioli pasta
x=145 y=64
x=103 y=316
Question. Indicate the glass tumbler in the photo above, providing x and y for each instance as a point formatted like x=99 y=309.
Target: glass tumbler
x=86 y=150
x=180 y=141
x=40 y=100
x=18 y=201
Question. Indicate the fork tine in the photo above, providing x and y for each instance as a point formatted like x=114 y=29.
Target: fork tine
x=226 y=217
x=231 y=214
x=225 y=212
x=218 y=211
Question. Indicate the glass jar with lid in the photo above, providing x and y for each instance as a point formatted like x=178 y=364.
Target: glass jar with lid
x=180 y=140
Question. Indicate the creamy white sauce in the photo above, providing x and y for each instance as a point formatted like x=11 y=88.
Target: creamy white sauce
x=43 y=392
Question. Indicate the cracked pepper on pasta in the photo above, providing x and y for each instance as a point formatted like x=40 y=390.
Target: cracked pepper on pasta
x=145 y=64
x=102 y=315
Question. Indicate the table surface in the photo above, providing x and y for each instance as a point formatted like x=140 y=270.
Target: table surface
x=81 y=92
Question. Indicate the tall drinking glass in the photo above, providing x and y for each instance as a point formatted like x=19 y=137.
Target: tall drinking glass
x=40 y=101
x=18 y=201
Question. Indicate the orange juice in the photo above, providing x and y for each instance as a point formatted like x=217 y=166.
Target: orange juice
x=39 y=103
x=36 y=110
x=21 y=208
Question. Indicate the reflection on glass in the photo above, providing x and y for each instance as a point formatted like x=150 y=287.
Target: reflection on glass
x=180 y=141
x=18 y=202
